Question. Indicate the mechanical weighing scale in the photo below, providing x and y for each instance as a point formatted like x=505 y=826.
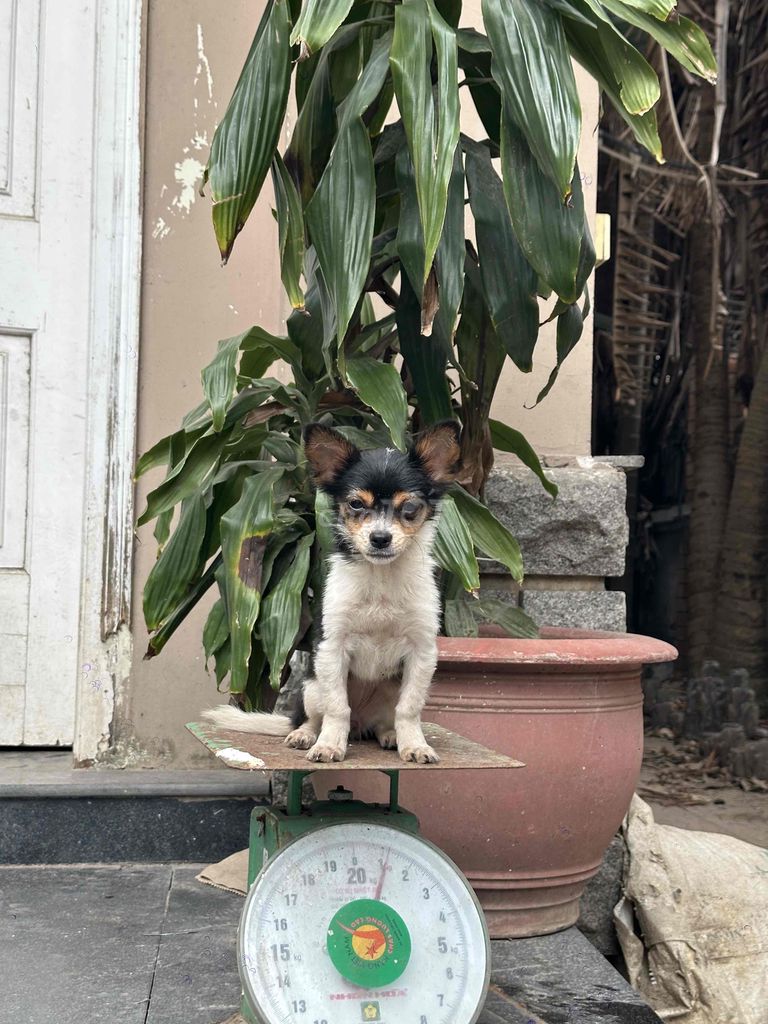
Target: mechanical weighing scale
x=351 y=915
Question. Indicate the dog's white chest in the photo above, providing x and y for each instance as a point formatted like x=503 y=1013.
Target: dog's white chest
x=378 y=616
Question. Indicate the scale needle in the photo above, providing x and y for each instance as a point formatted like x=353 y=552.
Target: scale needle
x=380 y=886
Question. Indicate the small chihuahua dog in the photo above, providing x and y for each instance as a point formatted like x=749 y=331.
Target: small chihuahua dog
x=381 y=610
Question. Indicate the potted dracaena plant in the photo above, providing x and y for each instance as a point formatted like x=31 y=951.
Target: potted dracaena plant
x=400 y=321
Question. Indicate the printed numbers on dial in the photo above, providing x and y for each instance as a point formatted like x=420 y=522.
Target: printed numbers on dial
x=287 y=972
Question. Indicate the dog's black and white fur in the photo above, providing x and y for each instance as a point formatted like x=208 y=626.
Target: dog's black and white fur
x=378 y=652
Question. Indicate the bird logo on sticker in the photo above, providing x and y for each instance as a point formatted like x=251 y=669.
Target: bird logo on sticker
x=369 y=942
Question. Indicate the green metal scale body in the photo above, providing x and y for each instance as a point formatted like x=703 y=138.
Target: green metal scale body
x=272 y=827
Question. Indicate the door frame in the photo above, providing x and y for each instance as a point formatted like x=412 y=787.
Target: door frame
x=105 y=641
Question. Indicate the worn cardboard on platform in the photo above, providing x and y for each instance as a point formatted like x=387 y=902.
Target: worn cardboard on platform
x=269 y=753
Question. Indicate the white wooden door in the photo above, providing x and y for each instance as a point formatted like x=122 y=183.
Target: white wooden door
x=47 y=56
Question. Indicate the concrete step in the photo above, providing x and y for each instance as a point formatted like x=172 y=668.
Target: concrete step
x=29 y=774
x=51 y=813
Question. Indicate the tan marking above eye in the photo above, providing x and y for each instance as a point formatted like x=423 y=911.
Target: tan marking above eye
x=367 y=497
x=400 y=497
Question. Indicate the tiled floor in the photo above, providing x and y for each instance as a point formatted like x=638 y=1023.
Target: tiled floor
x=147 y=944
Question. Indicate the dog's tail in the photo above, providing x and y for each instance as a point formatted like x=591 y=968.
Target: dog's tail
x=227 y=717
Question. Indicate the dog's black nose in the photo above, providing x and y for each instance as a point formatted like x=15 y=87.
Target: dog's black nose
x=380 y=539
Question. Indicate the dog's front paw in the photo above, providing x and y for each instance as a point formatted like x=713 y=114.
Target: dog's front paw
x=388 y=739
x=323 y=752
x=422 y=755
x=300 y=739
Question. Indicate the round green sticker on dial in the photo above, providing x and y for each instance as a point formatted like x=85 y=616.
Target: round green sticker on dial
x=368 y=943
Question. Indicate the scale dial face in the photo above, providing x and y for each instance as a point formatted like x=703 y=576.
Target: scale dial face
x=362 y=922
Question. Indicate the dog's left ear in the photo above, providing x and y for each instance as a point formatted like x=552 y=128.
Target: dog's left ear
x=438 y=450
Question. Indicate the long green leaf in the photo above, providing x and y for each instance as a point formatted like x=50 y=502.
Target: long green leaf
x=682 y=38
x=507 y=439
x=569 y=9
x=281 y=612
x=368 y=85
x=177 y=565
x=290 y=222
x=488 y=534
x=315 y=129
x=340 y=217
x=425 y=359
x=660 y=9
x=259 y=349
x=219 y=378
x=341 y=213
x=533 y=69
x=317 y=22
x=509 y=281
x=638 y=82
x=453 y=548
x=222 y=659
x=458 y=619
x=245 y=140
x=305 y=329
x=245 y=530
x=587 y=46
x=198 y=589
x=550 y=232
x=431 y=122
x=159 y=454
x=379 y=386
x=512 y=620
x=186 y=479
x=570 y=325
x=481 y=353
x=409 y=241
x=449 y=259
x=216 y=630
x=439 y=317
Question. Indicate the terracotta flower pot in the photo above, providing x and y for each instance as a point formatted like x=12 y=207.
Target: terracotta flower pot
x=570 y=706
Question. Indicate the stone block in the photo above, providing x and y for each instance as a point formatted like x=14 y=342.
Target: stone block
x=577 y=609
x=601 y=894
x=583 y=532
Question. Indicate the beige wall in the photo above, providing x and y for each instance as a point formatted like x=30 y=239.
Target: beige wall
x=193 y=58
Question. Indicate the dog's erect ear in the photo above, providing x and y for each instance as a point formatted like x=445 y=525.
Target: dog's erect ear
x=438 y=450
x=328 y=453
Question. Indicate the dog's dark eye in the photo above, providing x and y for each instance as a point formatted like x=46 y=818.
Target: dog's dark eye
x=410 y=510
x=356 y=505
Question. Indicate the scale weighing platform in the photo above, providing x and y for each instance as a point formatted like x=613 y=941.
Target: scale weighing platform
x=351 y=915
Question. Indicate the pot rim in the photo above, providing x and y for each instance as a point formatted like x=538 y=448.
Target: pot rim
x=556 y=646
